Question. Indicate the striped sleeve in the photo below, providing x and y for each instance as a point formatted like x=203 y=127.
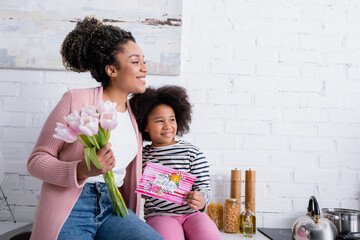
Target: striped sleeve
x=200 y=168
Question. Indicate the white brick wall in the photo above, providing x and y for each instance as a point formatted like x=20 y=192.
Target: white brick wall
x=274 y=86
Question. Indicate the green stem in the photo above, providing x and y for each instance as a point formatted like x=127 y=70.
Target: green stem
x=115 y=195
x=123 y=203
x=119 y=194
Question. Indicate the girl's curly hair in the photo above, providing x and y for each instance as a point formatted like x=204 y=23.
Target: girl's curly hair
x=174 y=96
x=90 y=46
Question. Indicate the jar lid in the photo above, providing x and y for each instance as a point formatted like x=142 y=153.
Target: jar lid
x=231 y=200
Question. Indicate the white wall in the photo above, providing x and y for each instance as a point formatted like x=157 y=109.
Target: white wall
x=275 y=87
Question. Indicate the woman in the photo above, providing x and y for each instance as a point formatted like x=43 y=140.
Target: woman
x=74 y=202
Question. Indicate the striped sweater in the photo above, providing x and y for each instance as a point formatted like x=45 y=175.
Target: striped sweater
x=180 y=156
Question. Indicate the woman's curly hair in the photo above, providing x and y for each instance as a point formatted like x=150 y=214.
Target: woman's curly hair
x=90 y=46
x=174 y=96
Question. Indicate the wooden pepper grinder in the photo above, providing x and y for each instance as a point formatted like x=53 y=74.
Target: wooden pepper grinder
x=235 y=191
x=250 y=189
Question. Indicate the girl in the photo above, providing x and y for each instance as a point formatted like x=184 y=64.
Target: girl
x=162 y=114
x=74 y=202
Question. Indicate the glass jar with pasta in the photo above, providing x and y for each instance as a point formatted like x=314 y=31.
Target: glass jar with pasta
x=231 y=215
x=215 y=211
x=215 y=208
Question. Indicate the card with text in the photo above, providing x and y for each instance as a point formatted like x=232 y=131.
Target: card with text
x=165 y=183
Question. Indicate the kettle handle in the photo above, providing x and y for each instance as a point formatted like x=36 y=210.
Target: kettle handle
x=314 y=209
x=310 y=208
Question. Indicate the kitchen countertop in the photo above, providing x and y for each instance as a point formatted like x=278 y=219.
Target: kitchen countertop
x=230 y=236
x=10 y=229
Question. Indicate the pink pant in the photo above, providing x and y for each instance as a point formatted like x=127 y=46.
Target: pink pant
x=188 y=226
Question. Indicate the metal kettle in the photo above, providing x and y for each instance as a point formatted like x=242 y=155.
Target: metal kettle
x=313 y=226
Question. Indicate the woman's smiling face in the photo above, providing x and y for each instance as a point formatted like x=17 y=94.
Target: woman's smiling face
x=161 y=126
x=130 y=75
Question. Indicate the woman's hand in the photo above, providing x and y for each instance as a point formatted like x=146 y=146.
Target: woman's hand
x=106 y=159
x=195 y=200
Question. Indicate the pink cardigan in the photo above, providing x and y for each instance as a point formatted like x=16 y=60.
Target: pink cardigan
x=55 y=162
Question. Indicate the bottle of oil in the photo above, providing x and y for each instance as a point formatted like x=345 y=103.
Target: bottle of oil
x=247 y=222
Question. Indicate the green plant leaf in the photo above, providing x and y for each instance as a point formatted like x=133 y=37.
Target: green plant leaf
x=87 y=158
x=107 y=135
x=91 y=140
x=96 y=142
x=94 y=158
x=101 y=138
x=86 y=141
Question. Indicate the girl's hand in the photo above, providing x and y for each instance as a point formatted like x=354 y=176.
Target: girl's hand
x=106 y=159
x=195 y=200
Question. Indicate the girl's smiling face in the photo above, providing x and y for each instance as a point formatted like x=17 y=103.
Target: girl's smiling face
x=161 y=126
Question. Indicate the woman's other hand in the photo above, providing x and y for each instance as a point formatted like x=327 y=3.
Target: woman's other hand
x=195 y=200
x=106 y=159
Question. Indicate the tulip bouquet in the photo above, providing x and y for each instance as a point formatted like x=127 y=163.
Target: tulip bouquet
x=92 y=128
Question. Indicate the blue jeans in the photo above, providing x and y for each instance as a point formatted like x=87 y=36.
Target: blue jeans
x=92 y=218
